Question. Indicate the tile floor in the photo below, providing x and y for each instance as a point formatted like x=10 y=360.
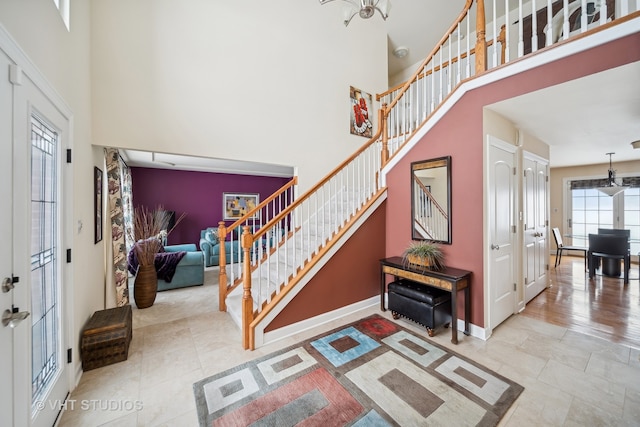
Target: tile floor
x=570 y=379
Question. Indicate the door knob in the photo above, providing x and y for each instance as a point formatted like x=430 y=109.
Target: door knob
x=7 y=284
x=496 y=247
x=12 y=319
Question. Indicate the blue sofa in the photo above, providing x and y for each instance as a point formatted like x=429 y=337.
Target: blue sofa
x=190 y=269
x=210 y=246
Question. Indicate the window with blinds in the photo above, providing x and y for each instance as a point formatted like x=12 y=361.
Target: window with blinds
x=591 y=209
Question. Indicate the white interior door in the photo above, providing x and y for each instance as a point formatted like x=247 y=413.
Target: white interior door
x=502 y=252
x=535 y=225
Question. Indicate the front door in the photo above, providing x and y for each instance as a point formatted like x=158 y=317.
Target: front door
x=501 y=240
x=535 y=224
x=33 y=345
x=6 y=253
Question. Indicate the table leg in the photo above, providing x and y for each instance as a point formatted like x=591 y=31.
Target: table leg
x=467 y=309
x=382 y=276
x=454 y=313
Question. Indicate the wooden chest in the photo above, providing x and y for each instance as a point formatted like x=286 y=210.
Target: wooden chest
x=106 y=338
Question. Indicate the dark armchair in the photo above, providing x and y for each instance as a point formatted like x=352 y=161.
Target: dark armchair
x=618 y=232
x=609 y=247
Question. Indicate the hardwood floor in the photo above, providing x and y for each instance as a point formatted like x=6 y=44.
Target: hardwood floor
x=603 y=306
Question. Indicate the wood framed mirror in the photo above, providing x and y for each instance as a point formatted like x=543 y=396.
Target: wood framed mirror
x=431 y=200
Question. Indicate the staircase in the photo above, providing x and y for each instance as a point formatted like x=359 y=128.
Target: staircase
x=286 y=236
x=289 y=255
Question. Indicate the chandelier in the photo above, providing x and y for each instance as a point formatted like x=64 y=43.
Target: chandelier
x=365 y=8
x=613 y=187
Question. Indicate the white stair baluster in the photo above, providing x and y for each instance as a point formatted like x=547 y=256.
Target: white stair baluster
x=495 y=35
x=534 y=25
x=520 y=30
x=565 y=21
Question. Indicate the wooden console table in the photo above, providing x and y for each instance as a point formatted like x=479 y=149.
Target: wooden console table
x=449 y=279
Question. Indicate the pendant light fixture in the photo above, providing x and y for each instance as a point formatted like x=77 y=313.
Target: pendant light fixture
x=612 y=187
x=364 y=8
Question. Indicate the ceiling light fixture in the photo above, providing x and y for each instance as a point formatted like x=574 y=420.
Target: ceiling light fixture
x=401 y=52
x=636 y=144
x=613 y=187
x=364 y=8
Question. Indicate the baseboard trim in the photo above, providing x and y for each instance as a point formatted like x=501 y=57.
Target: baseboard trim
x=322 y=319
x=305 y=325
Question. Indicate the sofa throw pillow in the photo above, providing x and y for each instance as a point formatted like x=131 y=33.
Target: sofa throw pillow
x=211 y=236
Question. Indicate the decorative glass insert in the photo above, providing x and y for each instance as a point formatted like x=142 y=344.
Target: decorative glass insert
x=45 y=284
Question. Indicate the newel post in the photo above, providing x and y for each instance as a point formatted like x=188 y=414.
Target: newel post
x=502 y=38
x=222 y=275
x=247 y=299
x=382 y=119
x=481 y=41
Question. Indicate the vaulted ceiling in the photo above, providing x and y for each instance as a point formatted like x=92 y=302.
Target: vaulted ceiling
x=581 y=120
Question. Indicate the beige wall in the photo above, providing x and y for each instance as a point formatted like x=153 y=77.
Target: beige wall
x=588 y=171
x=63 y=58
x=250 y=81
x=496 y=125
x=255 y=80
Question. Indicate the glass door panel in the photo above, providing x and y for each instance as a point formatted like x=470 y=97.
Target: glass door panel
x=45 y=284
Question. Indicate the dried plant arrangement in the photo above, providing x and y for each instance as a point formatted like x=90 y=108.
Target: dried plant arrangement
x=149 y=226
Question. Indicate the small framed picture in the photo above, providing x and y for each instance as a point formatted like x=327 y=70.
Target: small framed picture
x=97 y=178
x=361 y=106
x=237 y=205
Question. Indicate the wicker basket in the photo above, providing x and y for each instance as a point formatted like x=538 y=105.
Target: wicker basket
x=417 y=261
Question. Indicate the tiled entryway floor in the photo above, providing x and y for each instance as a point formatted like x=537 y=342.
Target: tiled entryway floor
x=570 y=379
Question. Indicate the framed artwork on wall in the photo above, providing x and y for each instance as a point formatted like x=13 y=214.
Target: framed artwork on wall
x=97 y=203
x=361 y=104
x=236 y=205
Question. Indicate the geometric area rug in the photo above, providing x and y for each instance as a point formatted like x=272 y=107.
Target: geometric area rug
x=372 y=372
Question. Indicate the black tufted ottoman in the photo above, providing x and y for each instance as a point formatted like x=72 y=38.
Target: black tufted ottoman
x=430 y=307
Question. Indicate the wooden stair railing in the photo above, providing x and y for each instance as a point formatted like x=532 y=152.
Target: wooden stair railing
x=263 y=212
x=409 y=105
x=404 y=109
x=307 y=225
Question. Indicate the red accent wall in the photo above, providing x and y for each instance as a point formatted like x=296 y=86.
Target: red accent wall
x=460 y=134
x=350 y=276
x=198 y=194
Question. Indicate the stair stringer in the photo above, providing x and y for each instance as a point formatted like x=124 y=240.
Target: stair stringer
x=261 y=337
x=544 y=56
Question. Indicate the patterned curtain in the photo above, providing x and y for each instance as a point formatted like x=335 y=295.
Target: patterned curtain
x=127 y=203
x=116 y=213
